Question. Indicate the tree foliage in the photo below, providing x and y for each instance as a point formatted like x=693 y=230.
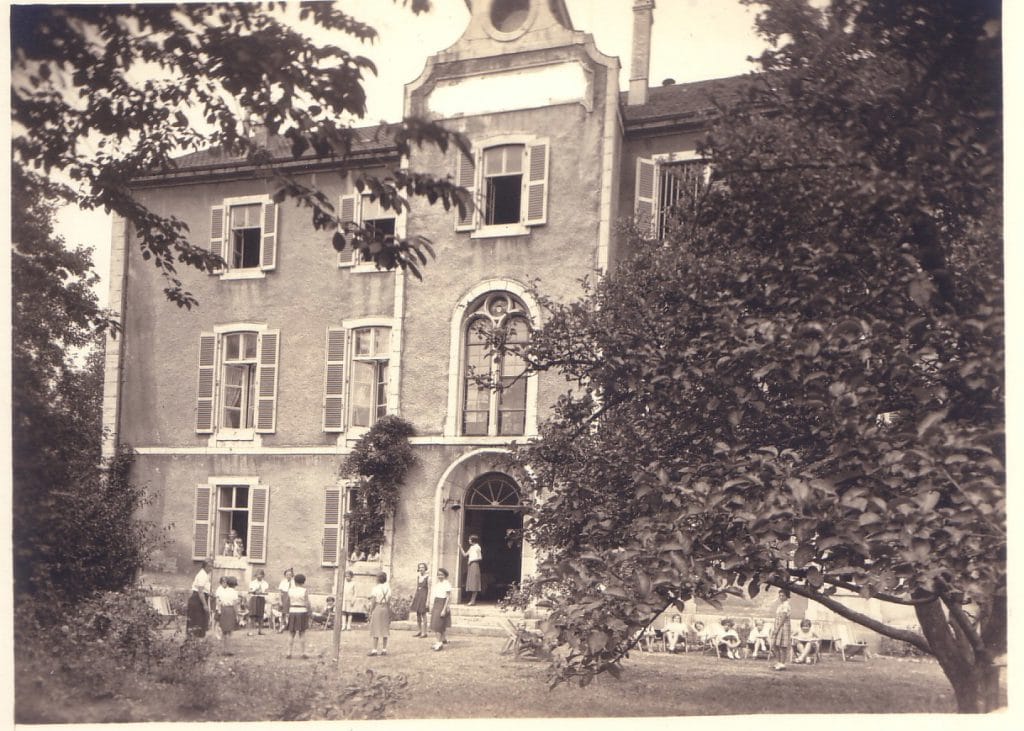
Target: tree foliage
x=103 y=94
x=75 y=528
x=803 y=385
x=378 y=462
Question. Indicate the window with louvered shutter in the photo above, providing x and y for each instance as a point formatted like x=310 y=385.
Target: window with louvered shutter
x=268 y=257
x=643 y=202
x=266 y=389
x=347 y=212
x=536 y=184
x=217 y=234
x=465 y=176
x=334 y=381
x=258 y=518
x=332 y=526
x=202 y=518
x=206 y=385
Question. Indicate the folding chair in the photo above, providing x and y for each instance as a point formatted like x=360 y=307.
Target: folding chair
x=847 y=648
x=521 y=642
x=163 y=609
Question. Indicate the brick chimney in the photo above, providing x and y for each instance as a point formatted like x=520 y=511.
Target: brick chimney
x=640 y=64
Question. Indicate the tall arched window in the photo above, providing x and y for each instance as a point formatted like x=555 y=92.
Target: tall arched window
x=486 y=411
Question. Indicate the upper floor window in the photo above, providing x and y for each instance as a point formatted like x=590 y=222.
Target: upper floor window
x=243 y=232
x=357 y=376
x=369 y=214
x=509 y=183
x=237 y=392
x=666 y=184
x=489 y=411
x=370 y=354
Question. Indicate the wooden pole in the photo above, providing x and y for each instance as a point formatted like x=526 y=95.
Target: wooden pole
x=339 y=580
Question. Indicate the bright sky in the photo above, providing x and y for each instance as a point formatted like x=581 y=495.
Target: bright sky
x=693 y=40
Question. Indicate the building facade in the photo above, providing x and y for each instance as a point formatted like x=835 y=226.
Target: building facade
x=242 y=410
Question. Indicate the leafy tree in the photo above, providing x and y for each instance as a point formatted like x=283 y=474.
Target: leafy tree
x=105 y=93
x=803 y=385
x=379 y=462
x=75 y=529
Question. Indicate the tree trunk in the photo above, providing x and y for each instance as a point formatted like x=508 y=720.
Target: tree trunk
x=974 y=677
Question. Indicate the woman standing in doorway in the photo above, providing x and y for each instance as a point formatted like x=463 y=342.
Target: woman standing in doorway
x=440 y=614
x=475 y=555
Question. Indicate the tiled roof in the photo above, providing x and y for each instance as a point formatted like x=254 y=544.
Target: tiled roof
x=365 y=139
x=680 y=100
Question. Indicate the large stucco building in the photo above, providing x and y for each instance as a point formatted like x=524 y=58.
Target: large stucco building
x=241 y=411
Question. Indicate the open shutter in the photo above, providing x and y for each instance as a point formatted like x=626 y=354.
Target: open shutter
x=268 y=256
x=204 y=396
x=347 y=208
x=536 y=194
x=202 y=522
x=332 y=526
x=217 y=234
x=465 y=177
x=266 y=385
x=643 y=203
x=258 y=524
x=334 y=381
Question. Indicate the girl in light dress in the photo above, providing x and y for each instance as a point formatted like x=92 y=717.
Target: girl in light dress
x=380 y=614
x=227 y=603
x=299 y=608
x=440 y=613
x=419 y=600
x=348 y=600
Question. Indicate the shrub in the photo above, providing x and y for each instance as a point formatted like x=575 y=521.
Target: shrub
x=399 y=606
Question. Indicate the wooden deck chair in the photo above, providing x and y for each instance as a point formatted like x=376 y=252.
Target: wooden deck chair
x=521 y=642
x=163 y=608
x=847 y=647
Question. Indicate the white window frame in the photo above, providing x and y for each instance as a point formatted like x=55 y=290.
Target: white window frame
x=361 y=203
x=456 y=365
x=659 y=161
x=477 y=228
x=258 y=272
x=350 y=431
x=224 y=434
x=252 y=483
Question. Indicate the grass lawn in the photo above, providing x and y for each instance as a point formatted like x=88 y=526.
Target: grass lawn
x=249 y=685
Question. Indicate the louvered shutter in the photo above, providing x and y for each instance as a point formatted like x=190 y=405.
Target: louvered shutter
x=217 y=234
x=465 y=177
x=266 y=384
x=332 y=526
x=334 y=381
x=258 y=510
x=268 y=255
x=535 y=195
x=205 y=391
x=347 y=209
x=643 y=202
x=202 y=521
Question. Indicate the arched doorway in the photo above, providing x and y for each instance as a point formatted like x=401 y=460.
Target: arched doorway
x=492 y=510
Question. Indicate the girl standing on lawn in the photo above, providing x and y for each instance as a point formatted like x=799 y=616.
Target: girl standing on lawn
x=419 y=600
x=197 y=617
x=283 y=588
x=782 y=640
x=258 y=589
x=475 y=555
x=380 y=614
x=440 y=615
x=227 y=603
x=299 y=608
x=348 y=600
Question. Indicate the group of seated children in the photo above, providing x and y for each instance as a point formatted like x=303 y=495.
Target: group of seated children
x=725 y=639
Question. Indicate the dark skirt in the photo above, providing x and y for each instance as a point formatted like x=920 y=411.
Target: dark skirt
x=197 y=621
x=437 y=622
x=298 y=622
x=257 y=604
x=380 y=621
x=419 y=600
x=473 y=577
x=228 y=622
